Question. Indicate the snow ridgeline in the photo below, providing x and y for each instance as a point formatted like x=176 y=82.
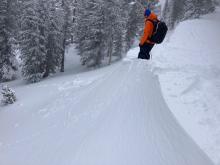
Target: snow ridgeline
x=114 y=115
x=189 y=74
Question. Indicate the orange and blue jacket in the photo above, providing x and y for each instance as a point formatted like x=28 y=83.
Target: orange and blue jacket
x=148 y=29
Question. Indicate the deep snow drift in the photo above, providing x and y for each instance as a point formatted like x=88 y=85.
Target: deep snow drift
x=189 y=74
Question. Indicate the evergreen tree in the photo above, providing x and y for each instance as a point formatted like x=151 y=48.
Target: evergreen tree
x=190 y=8
x=132 y=25
x=90 y=32
x=113 y=28
x=41 y=39
x=119 y=30
x=8 y=62
x=54 y=40
x=100 y=30
x=33 y=41
x=179 y=10
x=203 y=7
x=118 y=43
x=8 y=95
x=67 y=26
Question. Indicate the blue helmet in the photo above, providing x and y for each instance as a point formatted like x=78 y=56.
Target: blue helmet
x=147 y=12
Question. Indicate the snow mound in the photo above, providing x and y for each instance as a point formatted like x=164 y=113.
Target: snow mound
x=189 y=73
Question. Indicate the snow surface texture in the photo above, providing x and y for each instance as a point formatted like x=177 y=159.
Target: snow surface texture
x=117 y=115
x=112 y=116
x=189 y=74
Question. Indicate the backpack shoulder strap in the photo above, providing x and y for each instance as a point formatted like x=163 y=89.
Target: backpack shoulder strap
x=155 y=23
x=152 y=21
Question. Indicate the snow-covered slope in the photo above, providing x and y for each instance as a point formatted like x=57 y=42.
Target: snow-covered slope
x=117 y=115
x=189 y=74
x=112 y=116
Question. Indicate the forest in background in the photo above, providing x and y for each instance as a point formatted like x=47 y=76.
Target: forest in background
x=41 y=30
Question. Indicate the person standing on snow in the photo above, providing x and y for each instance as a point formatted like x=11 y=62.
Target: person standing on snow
x=145 y=44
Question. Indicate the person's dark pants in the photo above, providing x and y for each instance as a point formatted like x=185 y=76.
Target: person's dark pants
x=145 y=51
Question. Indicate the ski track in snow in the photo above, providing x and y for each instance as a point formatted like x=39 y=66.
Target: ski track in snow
x=111 y=116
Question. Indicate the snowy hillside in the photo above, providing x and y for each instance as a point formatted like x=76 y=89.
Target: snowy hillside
x=189 y=73
x=117 y=115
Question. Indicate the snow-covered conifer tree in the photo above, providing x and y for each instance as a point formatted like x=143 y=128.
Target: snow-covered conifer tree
x=90 y=32
x=67 y=26
x=33 y=41
x=173 y=12
x=119 y=30
x=8 y=95
x=132 y=25
x=204 y=6
x=8 y=62
x=113 y=28
x=179 y=10
x=54 y=40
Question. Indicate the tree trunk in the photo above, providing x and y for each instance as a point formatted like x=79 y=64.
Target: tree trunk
x=63 y=56
x=110 y=50
x=64 y=5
